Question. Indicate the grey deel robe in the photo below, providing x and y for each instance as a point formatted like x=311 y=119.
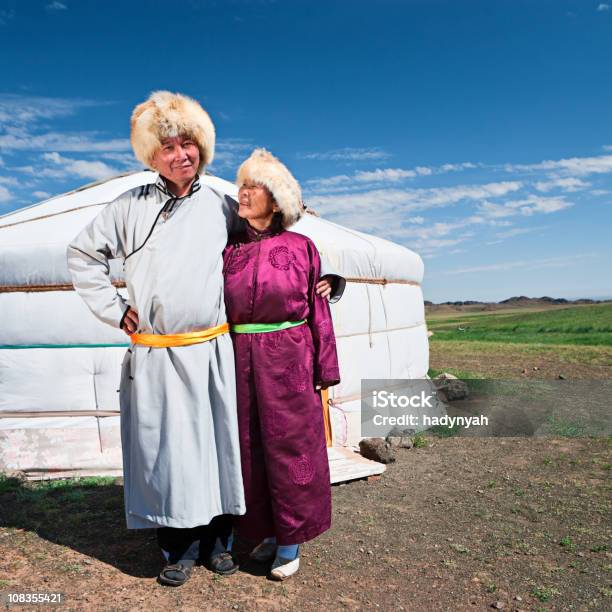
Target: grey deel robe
x=179 y=429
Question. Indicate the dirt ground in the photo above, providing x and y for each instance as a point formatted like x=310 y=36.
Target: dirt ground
x=461 y=524
x=498 y=360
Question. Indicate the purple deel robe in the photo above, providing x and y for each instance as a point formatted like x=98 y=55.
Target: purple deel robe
x=270 y=277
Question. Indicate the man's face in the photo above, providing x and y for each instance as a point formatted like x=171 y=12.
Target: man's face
x=178 y=159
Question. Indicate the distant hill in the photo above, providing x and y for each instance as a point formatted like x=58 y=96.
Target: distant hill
x=520 y=301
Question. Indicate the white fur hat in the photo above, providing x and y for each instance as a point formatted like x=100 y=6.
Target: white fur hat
x=262 y=167
x=167 y=115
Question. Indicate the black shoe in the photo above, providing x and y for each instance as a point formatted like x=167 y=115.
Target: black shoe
x=223 y=563
x=175 y=574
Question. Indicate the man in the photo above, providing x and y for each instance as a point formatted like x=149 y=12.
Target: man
x=177 y=394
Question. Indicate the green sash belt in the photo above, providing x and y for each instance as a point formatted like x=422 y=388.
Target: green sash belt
x=263 y=328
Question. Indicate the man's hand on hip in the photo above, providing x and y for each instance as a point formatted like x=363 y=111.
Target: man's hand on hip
x=130 y=321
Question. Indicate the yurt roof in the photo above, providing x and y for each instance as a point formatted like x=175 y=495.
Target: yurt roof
x=33 y=239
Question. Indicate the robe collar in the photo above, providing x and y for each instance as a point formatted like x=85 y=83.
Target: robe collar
x=253 y=235
x=161 y=184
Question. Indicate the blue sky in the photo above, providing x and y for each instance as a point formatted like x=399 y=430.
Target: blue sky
x=478 y=133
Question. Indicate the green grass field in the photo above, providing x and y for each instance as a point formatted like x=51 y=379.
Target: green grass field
x=589 y=325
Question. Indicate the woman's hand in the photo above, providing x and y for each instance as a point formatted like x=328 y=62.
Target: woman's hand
x=323 y=288
x=130 y=322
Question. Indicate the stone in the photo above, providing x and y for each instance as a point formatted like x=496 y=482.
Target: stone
x=498 y=605
x=400 y=438
x=377 y=449
x=450 y=387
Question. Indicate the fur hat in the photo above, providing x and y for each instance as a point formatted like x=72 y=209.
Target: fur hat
x=166 y=115
x=262 y=167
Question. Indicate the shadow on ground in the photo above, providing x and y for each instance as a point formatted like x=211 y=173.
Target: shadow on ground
x=85 y=515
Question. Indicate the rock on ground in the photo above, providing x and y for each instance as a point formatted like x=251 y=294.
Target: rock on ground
x=377 y=449
x=450 y=387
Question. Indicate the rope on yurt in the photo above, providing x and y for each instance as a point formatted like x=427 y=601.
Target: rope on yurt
x=41 y=288
x=58 y=413
x=386 y=323
x=369 y=316
x=60 y=346
x=93 y=380
x=121 y=285
x=340 y=436
x=380 y=281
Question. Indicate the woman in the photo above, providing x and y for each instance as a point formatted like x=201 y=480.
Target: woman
x=285 y=351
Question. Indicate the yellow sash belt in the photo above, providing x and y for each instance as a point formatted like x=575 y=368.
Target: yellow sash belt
x=168 y=340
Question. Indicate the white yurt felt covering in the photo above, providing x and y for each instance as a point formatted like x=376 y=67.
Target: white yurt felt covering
x=59 y=365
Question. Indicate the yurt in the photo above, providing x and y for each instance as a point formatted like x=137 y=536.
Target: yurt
x=60 y=366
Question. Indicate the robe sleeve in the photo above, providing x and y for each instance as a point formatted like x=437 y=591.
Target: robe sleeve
x=88 y=261
x=337 y=282
x=326 y=371
x=234 y=223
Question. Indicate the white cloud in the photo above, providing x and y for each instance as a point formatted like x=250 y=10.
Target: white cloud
x=9 y=180
x=126 y=160
x=457 y=167
x=390 y=175
x=18 y=110
x=607 y=147
x=347 y=154
x=519 y=231
x=56 y=6
x=385 y=175
x=78 y=143
x=41 y=195
x=64 y=166
x=330 y=183
x=603 y=7
x=569 y=184
x=230 y=153
x=551 y=262
x=24 y=126
x=5 y=194
x=433 y=243
x=440 y=229
x=575 y=166
x=532 y=204
x=410 y=199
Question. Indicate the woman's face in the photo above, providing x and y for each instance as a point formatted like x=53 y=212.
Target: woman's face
x=256 y=202
x=178 y=159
